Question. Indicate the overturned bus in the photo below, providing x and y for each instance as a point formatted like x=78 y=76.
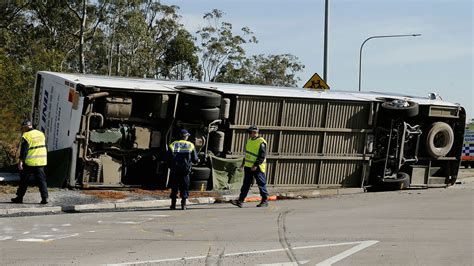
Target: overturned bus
x=107 y=131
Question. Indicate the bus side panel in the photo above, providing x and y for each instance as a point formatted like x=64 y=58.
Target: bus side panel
x=311 y=142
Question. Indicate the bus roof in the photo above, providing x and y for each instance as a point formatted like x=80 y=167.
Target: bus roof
x=170 y=86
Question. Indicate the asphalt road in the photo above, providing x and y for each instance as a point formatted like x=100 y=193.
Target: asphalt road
x=413 y=227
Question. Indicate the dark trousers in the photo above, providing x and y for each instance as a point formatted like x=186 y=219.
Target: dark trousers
x=40 y=178
x=248 y=179
x=179 y=181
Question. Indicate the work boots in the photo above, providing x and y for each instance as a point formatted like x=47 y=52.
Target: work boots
x=173 y=204
x=183 y=204
x=263 y=203
x=17 y=200
x=237 y=203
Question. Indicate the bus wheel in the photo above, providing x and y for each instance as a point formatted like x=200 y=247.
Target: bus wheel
x=439 y=140
x=202 y=98
x=198 y=114
x=200 y=173
x=402 y=181
x=400 y=108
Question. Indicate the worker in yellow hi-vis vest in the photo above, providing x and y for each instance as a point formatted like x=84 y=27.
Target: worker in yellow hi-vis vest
x=33 y=159
x=254 y=165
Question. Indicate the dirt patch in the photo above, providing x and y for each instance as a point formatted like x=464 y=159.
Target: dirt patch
x=8 y=189
x=106 y=194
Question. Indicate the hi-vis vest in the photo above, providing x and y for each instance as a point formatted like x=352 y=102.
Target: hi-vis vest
x=251 y=152
x=181 y=146
x=37 y=153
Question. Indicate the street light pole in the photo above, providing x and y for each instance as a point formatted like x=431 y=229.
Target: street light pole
x=325 y=63
x=374 y=37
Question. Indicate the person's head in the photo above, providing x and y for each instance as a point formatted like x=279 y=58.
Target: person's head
x=253 y=131
x=184 y=134
x=26 y=125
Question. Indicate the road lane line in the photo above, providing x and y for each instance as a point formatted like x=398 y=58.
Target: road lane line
x=47 y=239
x=253 y=252
x=285 y=263
x=347 y=253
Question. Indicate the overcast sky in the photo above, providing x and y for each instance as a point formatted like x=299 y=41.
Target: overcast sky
x=441 y=60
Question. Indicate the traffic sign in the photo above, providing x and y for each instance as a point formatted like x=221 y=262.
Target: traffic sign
x=316 y=82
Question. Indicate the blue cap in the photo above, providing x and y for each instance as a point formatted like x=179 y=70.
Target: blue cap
x=184 y=132
x=26 y=123
x=252 y=128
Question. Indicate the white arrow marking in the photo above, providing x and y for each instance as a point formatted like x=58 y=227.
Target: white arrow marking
x=347 y=253
x=360 y=245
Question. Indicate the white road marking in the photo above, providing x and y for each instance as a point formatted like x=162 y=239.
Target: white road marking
x=5 y=238
x=360 y=245
x=47 y=239
x=347 y=253
x=285 y=263
x=155 y=215
x=124 y=222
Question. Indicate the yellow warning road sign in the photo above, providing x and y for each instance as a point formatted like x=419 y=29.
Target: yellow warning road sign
x=316 y=82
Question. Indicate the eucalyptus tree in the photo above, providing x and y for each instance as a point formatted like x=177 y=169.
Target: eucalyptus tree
x=139 y=33
x=274 y=70
x=219 y=45
x=180 y=60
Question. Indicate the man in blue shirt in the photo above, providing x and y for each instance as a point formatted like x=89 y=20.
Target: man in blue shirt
x=181 y=155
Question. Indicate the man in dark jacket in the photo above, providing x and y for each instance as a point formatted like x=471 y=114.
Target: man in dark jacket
x=181 y=155
x=33 y=159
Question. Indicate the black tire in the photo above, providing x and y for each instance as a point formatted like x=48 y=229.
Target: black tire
x=439 y=140
x=200 y=174
x=198 y=185
x=194 y=114
x=201 y=98
x=401 y=182
x=394 y=109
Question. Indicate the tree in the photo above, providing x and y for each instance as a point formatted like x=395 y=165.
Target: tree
x=139 y=33
x=180 y=59
x=219 y=45
x=274 y=70
x=80 y=10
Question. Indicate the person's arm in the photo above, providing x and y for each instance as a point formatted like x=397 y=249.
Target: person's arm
x=262 y=153
x=23 y=153
x=169 y=157
x=194 y=156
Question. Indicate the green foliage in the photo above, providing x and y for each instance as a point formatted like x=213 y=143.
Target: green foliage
x=219 y=45
x=274 y=70
x=180 y=59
